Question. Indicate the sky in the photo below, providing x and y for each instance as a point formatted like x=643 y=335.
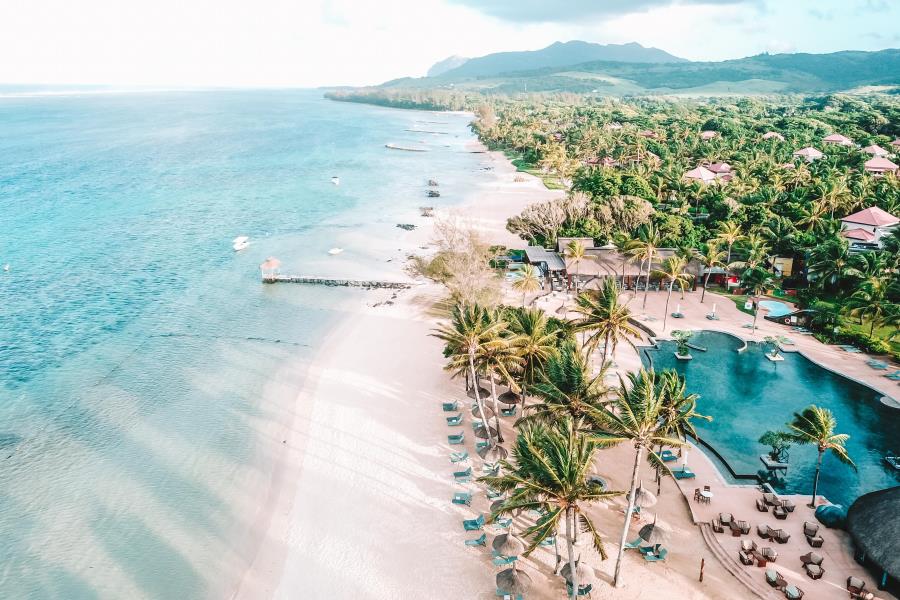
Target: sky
x=305 y=43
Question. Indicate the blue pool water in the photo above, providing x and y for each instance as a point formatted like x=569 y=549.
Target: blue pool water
x=746 y=394
x=775 y=308
x=140 y=357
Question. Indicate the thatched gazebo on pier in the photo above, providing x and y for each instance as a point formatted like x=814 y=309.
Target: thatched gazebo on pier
x=874 y=523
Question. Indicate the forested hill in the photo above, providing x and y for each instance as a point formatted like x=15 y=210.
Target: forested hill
x=762 y=74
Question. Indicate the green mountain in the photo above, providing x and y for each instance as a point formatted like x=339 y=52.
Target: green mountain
x=762 y=74
x=449 y=63
x=559 y=54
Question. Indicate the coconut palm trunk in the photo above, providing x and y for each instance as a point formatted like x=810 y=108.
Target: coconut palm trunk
x=478 y=403
x=570 y=518
x=705 y=285
x=638 y=454
x=668 y=297
x=647 y=287
x=812 y=503
x=496 y=408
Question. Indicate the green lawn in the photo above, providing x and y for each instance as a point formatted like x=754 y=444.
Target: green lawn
x=521 y=165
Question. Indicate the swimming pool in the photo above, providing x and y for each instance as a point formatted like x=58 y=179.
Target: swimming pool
x=747 y=395
x=776 y=309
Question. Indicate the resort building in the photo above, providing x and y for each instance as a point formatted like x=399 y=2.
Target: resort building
x=866 y=227
x=809 y=154
x=837 y=139
x=650 y=135
x=708 y=135
x=876 y=150
x=607 y=162
x=722 y=171
x=873 y=523
x=896 y=143
x=701 y=174
x=879 y=165
x=549 y=263
x=773 y=135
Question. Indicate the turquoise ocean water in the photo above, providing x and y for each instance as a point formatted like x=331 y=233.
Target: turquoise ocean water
x=136 y=347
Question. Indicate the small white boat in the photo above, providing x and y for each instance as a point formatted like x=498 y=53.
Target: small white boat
x=336 y=180
x=240 y=243
x=334 y=251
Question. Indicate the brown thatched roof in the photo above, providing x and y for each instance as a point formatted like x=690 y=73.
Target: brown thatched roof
x=875 y=526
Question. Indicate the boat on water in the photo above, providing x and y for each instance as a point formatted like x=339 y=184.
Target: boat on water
x=334 y=251
x=336 y=180
x=893 y=460
x=240 y=243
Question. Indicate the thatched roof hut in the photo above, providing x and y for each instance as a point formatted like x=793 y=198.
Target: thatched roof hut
x=874 y=524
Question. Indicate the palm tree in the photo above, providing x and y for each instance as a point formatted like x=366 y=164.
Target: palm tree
x=871 y=301
x=729 y=234
x=549 y=473
x=830 y=262
x=470 y=330
x=816 y=426
x=576 y=252
x=527 y=282
x=757 y=280
x=645 y=247
x=534 y=342
x=672 y=271
x=624 y=245
x=710 y=259
x=567 y=389
x=498 y=360
x=606 y=317
x=639 y=415
x=678 y=412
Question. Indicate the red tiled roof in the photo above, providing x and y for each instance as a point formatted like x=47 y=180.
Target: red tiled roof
x=859 y=234
x=701 y=173
x=873 y=217
x=772 y=134
x=875 y=150
x=708 y=135
x=719 y=167
x=880 y=164
x=836 y=138
x=896 y=142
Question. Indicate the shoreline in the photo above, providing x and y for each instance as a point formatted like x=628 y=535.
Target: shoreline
x=276 y=541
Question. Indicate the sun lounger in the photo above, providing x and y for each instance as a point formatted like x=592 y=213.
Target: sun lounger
x=771 y=499
x=503 y=523
x=474 y=524
x=456 y=439
x=508 y=412
x=502 y=561
x=814 y=571
x=712 y=316
x=812 y=558
x=479 y=445
x=810 y=528
x=455 y=420
x=788 y=505
x=877 y=365
x=779 y=513
x=505 y=596
x=683 y=473
x=450 y=406
x=490 y=468
x=775 y=579
x=462 y=498
x=481 y=540
x=458 y=457
x=850 y=349
x=583 y=590
x=781 y=536
x=792 y=592
x=493 y=494
x=548 y=541
x=463 y=476
x=815 y=541
x=636 y=544
x=667 y=456
x=761 y=505
x=661 y=555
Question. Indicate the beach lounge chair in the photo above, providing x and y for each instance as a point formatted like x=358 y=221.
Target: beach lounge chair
x=649 y=549
x=812 y=558
x=770 y=554
x=792 y=592
x=479 y=445
x=462 y=498
x=771 y=499
x=855 y=586
x=745 y=558
x=851 y=349
x=788 y=505
x=667 y=456
x=779 y=513
x=877 y=365
x=490 y=468
x=474 y=524
x=781 y=536
x=508 y=412
x=810 y=529
x=683 y=473
x=815 y=541
x=456 y=439
x=895 y=376
x=455 y=420
x=583 y=590
x=506 y=596
x=450 y=406
x=635 y=544
x=481 y=540
x=814 y=571
x=764 y=531
x=761 y=505
x=775 y=579
x=548 y=541
x=661 y=555
x=503 y=523
x=493 y=494
x=463 y=476
x=458 y=457
x=502 y=561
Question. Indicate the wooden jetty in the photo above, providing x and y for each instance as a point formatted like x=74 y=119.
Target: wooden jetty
x=368 y=284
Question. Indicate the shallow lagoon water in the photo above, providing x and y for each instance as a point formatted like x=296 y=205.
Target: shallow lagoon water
x=746 y=394
x=140 y=357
